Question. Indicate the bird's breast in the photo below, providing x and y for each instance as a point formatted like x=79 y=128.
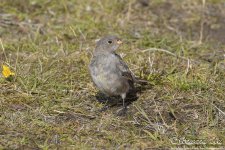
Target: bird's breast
x=107 y=76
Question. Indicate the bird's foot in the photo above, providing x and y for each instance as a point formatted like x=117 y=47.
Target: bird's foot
x=122 y=112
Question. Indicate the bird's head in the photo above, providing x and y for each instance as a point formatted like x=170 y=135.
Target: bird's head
x=108 y=44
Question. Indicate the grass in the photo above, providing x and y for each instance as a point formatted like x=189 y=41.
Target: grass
x=51 y=102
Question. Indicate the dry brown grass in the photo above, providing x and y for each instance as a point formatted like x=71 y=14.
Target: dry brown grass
x=51 y=102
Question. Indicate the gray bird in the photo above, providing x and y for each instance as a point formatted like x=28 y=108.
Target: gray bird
x=108 y=71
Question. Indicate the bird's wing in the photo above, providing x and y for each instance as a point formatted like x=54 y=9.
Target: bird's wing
x=126 y=73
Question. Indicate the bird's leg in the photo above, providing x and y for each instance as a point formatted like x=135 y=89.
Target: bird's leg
x=124 y=109
x=123 y=97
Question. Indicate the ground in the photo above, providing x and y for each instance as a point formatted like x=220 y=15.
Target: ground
x=51 y=102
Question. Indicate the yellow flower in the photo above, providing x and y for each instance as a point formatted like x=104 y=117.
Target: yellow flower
x=6 y=72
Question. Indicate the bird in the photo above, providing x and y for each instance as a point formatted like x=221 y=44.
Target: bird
x=110 y=74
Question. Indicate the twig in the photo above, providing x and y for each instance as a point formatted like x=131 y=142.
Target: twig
x=168 y=52
x=3 y=49
x=129 y=11
x=219 y=110
x=188 y=66
x=202 y=22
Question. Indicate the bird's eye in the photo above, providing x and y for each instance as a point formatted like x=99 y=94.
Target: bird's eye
x=109 y=42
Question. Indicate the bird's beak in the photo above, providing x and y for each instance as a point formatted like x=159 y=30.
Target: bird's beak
x=119 y=42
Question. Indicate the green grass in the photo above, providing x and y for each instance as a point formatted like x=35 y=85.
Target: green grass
x=51 y=102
